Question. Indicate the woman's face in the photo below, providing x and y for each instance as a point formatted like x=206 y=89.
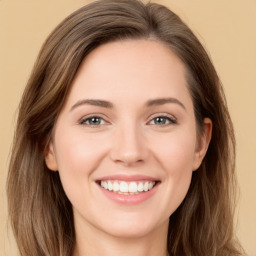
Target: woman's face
x=125 y=143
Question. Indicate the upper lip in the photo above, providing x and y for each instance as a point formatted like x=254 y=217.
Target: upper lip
x=123 y=177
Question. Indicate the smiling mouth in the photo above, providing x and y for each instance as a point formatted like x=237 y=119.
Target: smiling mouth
x=127 y=188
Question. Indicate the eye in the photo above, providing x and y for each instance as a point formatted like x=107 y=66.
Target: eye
x=162 y=121
x=93 y=121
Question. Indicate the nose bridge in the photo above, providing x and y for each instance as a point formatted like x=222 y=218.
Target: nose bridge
x=129 y=146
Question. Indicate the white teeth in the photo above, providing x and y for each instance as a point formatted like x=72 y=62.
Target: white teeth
x=145 y=187
x=150 y=185
x=104 y=185
x=116 y=186
x=110 y=186
x=133 y=187
x=125 y=187
x=140 y=187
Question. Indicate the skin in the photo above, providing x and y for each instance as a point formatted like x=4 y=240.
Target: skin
x=127 y=139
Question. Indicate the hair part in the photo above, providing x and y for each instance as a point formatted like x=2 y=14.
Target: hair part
x=40 y=213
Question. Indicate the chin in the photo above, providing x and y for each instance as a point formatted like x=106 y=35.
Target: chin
x=134 y=227
x=129 y=232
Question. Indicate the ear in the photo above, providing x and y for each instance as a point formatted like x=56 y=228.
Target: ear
x=50 y=157
x=203 y=143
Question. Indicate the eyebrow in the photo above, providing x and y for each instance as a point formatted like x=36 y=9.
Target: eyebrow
x=107 y=104
x=162 y=101
x=98 y=103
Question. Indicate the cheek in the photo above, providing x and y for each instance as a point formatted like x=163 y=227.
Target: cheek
x=77 y=157
x=78 y=153
x=178 y=163
x=176 y=155
x=176 y=152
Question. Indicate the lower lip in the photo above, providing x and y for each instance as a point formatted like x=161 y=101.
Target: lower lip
x=129 y=199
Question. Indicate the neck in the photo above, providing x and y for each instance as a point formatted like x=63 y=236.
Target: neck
x=93 y=242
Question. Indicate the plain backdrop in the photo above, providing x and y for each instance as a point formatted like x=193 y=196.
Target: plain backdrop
x=227 y=28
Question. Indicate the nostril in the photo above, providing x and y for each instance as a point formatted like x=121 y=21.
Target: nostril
x=129 y=147
x=127 y=158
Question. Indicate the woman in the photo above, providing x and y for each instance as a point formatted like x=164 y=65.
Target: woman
x=123 y=140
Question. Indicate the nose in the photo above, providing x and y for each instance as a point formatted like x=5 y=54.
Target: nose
x=129 y=147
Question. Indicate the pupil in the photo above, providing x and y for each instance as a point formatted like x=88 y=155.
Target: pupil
x=160 y=120
x=95 y=120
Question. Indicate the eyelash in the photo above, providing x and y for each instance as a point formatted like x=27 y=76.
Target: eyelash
x=169 y=119
x=166 y=118
x=86 y=121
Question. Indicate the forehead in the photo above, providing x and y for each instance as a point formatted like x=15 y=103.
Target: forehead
x=129 y=68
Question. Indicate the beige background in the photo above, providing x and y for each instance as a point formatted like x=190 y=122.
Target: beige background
x=226 y=27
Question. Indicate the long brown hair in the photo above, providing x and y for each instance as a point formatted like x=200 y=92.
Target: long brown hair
x=40 y=213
